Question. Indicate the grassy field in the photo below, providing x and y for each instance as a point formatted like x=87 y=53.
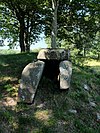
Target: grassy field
x=76 y=110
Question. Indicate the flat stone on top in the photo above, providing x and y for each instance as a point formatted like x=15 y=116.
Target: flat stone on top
x=53 y=54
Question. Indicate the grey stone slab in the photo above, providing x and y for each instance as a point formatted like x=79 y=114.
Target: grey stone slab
x=30 y=78
x=53 y=54
x=65 y=68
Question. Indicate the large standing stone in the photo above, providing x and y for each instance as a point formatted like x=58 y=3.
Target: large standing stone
x=30 y=78
x=65 y=68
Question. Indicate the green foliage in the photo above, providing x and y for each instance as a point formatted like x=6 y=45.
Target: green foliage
x=9 y=26
x=78 y=23
x=81 y=127
x=11 y=89
x=21 y=22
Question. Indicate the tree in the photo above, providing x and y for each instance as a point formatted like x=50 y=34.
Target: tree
x=55 y=4
x=96 y=45
x=76 y=22
x=72 y=21
x=9 y=26
x=29 y=20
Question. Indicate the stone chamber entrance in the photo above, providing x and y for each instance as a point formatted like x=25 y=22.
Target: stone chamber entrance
x=51 y=63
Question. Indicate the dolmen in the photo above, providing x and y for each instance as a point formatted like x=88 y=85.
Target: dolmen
x=51 y=63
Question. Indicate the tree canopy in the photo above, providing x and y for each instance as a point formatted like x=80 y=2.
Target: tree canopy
x=78 y=22
x=26 y=21
x=70 y=21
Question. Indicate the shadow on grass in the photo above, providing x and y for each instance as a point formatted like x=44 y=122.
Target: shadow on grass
x=41 y=117
x=11 y=66
x=50 y=111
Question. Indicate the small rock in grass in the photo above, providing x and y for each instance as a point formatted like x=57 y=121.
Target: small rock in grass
x=86 y=87
x=41 y=105
x=73 y=111
x=93 y=104
x=98 y=117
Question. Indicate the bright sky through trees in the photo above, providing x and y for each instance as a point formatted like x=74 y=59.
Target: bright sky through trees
x=40 y=44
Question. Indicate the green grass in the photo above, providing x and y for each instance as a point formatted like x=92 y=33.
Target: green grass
x=50 y=111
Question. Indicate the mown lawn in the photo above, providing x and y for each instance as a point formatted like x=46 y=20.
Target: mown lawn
x=76 y=110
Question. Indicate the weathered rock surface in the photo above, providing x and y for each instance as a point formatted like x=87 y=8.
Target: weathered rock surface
x=65 y=68
x=51 y=63
x=30 y=78
x=72 y=111
x=53 y=54
x=86 y=87
x=92 y=104
x=98 y=117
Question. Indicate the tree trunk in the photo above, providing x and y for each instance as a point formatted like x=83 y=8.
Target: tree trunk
x=27 y=46
x=54 y=24
x=26 y=35
x=98 y=55
x=21 y=35
x=84 y=52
